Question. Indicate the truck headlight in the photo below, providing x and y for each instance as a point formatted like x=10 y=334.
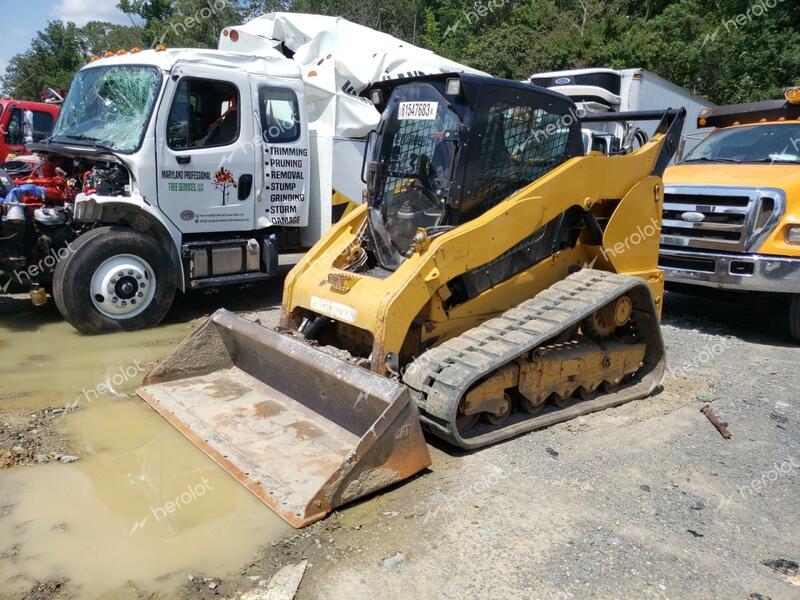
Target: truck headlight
x=793 y=234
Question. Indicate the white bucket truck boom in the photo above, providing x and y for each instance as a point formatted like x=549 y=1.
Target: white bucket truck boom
x=200 y=168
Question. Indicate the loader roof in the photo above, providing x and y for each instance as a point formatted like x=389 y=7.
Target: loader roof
x=471 y=85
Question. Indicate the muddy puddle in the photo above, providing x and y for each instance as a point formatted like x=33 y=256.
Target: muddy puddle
x=142 y=504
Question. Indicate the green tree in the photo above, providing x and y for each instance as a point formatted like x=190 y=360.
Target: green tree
x=96 y=37
x=60 y=50
x=154 y=13
x=726 y=50
x=54 y=55
x=190 y=23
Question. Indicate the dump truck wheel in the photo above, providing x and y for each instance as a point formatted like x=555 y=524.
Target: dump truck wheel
x=794 y=318
x=115 y=279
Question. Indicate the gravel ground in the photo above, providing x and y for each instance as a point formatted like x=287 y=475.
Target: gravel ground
x=28 y=437
x=643 y=501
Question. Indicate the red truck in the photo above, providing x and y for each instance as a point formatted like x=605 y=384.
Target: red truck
x=12 y=124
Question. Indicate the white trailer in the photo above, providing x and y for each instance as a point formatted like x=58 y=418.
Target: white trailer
x=599 y=90
x=200 y=168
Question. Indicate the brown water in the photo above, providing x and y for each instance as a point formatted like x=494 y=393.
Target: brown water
x=143 y=505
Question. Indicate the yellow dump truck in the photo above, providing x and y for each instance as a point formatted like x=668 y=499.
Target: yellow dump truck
x=732 y=205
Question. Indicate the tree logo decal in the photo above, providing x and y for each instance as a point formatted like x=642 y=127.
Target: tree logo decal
x=223 y=180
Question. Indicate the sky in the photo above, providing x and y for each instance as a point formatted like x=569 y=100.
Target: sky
x=30 y=16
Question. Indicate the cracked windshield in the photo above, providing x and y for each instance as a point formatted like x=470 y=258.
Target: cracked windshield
x=109 y=106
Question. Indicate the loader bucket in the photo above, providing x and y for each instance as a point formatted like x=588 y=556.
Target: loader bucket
x=303 y=430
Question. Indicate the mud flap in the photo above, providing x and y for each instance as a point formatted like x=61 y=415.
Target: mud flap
x=303 y=430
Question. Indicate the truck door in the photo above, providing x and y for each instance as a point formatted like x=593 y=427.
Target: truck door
x=205 y=162
x=14 y=129
x=282 y=197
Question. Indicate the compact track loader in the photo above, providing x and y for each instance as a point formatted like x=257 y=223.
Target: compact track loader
x=497 y=280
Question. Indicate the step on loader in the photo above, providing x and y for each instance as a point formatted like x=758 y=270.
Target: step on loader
x=500 y=278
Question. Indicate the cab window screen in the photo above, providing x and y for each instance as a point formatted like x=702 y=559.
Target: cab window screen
x=522 y=143
x=280 y=115
x=204 y=114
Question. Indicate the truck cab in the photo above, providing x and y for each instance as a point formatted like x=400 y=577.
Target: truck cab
x=194 y=168
x=732 y=205
x=23 y=122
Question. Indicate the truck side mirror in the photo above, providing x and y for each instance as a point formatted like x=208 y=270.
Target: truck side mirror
x=28 y=126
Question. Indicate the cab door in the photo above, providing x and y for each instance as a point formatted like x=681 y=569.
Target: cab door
x=205 y=160
x=13 y=129
x=283 y=186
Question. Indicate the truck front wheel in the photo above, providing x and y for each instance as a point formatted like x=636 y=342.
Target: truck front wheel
x=794 y=318
x=115 y=279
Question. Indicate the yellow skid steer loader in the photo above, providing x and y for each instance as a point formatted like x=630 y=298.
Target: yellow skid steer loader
x=498 y=279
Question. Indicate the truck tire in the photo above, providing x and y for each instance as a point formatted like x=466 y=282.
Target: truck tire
x=115 y=279
x=794 y=317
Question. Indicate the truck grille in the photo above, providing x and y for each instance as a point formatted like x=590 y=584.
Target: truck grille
x=720 y=218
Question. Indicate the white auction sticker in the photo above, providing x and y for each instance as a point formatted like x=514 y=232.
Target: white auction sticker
x=337 y=310
x=420 y=111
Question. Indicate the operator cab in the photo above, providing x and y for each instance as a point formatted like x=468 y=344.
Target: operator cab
x=449 y=147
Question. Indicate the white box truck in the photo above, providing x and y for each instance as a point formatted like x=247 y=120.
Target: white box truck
x=600 y=90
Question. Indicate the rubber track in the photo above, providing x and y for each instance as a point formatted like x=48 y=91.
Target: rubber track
x=440 y=377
